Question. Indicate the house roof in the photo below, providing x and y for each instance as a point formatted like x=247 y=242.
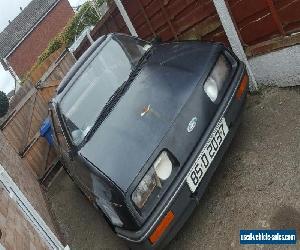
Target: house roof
x=18 y=29
x=10 y=94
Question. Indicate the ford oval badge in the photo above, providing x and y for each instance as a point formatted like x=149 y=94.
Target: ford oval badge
x=192 y=124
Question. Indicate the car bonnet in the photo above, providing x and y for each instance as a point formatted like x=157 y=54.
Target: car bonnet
x=127 y=138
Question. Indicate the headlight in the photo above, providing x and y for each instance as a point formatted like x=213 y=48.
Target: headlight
x=163 y=166
x=159 y=172
x=211 y=89
x=215 y=82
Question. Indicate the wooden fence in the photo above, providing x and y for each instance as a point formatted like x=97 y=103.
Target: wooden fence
x=56 y=72
x=170 y=20
x=264 y=25
x=38 y=72
x=21 y=128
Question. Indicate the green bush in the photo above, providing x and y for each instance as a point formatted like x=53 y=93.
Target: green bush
x=53 y=46
x=86 y=16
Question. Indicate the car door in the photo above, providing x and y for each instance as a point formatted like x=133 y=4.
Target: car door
x=61 y=144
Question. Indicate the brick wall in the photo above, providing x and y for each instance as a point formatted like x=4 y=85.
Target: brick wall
x=22 y=175
x=26 y=54
x=15 y=231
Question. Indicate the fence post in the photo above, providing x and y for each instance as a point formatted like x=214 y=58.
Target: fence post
x=126 y=17
x=275 y=16
x=232 y=35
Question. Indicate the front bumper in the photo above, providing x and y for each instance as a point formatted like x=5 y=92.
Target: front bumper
x=183 y=201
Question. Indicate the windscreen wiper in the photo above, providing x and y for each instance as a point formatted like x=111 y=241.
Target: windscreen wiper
x=114 y=99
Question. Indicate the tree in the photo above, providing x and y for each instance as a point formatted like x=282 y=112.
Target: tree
x=4 y=104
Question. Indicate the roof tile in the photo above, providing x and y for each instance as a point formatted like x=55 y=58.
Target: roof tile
x=22 y=24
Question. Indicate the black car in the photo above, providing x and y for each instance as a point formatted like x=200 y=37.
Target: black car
x=145 y=126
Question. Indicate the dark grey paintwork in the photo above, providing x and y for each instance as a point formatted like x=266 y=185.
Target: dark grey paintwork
x=125 y=140
x=111 y=164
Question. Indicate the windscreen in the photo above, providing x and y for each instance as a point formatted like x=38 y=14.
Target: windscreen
x=92 y=89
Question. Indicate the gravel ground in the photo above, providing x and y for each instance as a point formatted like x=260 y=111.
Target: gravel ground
x=257 y=186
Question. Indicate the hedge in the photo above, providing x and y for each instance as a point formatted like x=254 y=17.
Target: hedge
x=86 y=16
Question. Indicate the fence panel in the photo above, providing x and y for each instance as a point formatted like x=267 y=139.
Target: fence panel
x=22 y=131
x=22 y=125
x=40 y=156
x=289 y=14
x=14 y=127
x=175 y=19
x=254 y=20
x=265 y=24
x=170 y=20
x=37 y=73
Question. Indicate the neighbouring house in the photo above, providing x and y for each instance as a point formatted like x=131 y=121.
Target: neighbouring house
x=10 y=94
x=29 y=34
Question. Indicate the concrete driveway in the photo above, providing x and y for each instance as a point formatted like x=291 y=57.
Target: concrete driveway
x=257 y=185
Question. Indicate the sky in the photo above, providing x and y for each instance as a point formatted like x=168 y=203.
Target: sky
x=8 y=11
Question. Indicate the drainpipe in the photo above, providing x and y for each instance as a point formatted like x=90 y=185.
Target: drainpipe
x=6 y=66
x=126 y=17
x=89 y=37
x=234 y=40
